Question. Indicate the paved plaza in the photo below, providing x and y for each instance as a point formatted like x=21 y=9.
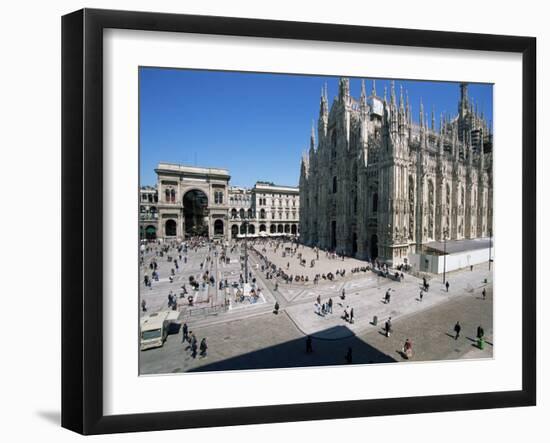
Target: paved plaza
x=245 y=333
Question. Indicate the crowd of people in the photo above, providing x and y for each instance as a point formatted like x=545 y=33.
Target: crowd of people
x=176 y=254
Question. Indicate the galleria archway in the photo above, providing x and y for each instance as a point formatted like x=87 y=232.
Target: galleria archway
x=218 y=227
x=195 y=205
x=170 y=228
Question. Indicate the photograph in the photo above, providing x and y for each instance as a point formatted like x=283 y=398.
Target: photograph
x=291 y=221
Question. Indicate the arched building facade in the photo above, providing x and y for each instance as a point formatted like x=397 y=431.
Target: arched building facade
x=192 y=201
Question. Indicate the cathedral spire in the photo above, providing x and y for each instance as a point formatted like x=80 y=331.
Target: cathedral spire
x=481 y=153
x=363 y=94
x=463 y=105
x=373 y=92
x=312 y=138
x=323 y=114
x=441 y=137
x=421 y=114
x=433 y=118
x=455 y=144
x=343 y=92
x=407 y=108
x=401 y=101
x=393 y=101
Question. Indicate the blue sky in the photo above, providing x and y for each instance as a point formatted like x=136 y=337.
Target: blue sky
x=255 y=125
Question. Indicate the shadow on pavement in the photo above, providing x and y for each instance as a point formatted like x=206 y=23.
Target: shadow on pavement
x=292 y=354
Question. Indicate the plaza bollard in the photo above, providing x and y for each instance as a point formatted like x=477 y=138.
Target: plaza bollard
x=375 y=320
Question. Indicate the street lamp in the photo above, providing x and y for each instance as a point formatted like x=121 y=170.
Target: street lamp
x=246 y=250
x=445 y=232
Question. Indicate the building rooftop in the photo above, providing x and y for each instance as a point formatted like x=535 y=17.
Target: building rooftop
x=273 y=187
x=172 y=167
x=454 y=246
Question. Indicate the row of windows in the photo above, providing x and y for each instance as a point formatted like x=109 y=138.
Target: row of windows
x=151 y=198
x=262 y=214
x=239 y=198
x=263 y=202
x=170 y=197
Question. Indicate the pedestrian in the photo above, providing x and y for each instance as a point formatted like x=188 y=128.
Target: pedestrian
x=343 y=296
x=447 y=285
x=480 y=332
x=351 y=315
x=330 y=305
x=484 y=293
x=388 y=295
x=276 y=308
x=185 y=333
x=193 y=345
x=471 y=268
x=407 y=349
x=349 y=357
x=143 y=306
x=457 y=329
x=388 y=327
x=346 y=314
x=203 y=347
x=309 y=347
x=421 y=294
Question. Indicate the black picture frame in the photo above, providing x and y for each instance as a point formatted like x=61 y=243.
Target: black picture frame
x=82 y=218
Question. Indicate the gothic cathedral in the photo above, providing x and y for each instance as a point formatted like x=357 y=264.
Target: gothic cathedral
x=378 y=186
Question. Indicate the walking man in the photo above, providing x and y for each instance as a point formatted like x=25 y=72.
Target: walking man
x=387 y=327
x=185 y=333
x=447 y=285
x=343 y=297
x=480 y=332
x=388 y=295
x=484 y=293
x=143 y=305
x=193 y=345
x=351 y=315
x=330 y=305
x=203 y=347
x=457 y=330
